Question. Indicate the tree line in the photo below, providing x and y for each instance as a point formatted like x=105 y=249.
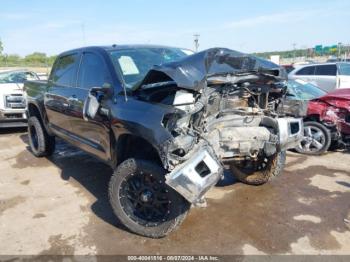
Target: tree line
x=41 y=59
x=34 y=59
x=306 y=52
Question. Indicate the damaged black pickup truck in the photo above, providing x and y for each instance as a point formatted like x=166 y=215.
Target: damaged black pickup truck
x=167 y=121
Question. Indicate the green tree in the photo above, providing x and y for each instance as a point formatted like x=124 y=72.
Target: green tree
x=36 y=58
x=51 y=60
x=14 y=59
x=1 y=47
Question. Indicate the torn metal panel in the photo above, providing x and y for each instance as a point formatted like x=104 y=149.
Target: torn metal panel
x=290 y=130
x=296 y=108
x=197 y=175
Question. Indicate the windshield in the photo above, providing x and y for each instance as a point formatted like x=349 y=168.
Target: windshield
x=135 y=63
x=344 y=69
x=303 y=91
x=16 y=77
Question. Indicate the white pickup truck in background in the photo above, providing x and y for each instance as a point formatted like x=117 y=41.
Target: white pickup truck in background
x=12 y=97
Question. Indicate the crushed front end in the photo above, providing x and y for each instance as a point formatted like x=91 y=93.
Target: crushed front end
x=226 y=113
x=333 y=111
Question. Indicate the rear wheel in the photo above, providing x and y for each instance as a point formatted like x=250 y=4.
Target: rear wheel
x=143 y=202
x=316 y=140
x=261 y=171
x=41 y=143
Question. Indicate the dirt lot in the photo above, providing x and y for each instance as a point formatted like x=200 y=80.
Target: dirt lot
x=59 y=206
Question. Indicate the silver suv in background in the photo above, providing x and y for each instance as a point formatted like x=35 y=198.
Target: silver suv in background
x=328 y=76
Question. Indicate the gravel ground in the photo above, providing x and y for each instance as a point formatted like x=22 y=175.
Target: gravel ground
x=59 y=205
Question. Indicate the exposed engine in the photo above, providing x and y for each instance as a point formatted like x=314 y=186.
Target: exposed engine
x=225 y=112
x=235 y=120
x=235 y=115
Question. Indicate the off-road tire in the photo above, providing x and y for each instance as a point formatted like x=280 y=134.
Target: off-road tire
x=273 y=169
x=177 y=211
x=41 y=143
x=327 y=142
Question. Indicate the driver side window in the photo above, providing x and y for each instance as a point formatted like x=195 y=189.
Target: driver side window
x=93 y=72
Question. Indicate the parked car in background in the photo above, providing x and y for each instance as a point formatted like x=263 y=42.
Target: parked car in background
x=12 y=98
x=327 y=76
x=326 y=116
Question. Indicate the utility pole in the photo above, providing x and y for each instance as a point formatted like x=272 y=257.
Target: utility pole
x=196 y=42
x=294 y=51
x=339 y=50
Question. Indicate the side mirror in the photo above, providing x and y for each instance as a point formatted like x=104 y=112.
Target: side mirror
x=100 y=92
x=91 y=106
x=93 y=100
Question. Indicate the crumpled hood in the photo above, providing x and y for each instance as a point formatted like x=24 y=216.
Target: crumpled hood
x=191 y=72
x=338 y=98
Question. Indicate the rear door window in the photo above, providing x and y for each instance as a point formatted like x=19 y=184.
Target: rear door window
x=65 y=70
x=306 y=71
x=326 y=70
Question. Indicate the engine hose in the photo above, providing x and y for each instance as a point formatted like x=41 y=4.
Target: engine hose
x=198 y=106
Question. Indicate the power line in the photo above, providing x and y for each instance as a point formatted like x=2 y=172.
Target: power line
x=294 y=51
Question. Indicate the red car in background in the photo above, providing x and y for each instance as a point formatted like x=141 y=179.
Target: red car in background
x=289 y=68
x=326 y=116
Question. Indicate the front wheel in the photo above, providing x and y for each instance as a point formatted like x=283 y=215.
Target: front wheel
x=143 y=202
x=316 y=140
x=261 y=171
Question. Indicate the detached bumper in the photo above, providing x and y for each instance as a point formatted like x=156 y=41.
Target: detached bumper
x=291 y=131
x=193 y=178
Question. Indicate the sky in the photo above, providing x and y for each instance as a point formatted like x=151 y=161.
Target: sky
x=248 y=26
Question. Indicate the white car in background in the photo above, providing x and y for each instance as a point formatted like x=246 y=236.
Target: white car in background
x=327 y=76
x=12 y=97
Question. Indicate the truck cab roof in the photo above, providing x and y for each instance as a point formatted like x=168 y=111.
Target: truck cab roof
x=115 y=47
